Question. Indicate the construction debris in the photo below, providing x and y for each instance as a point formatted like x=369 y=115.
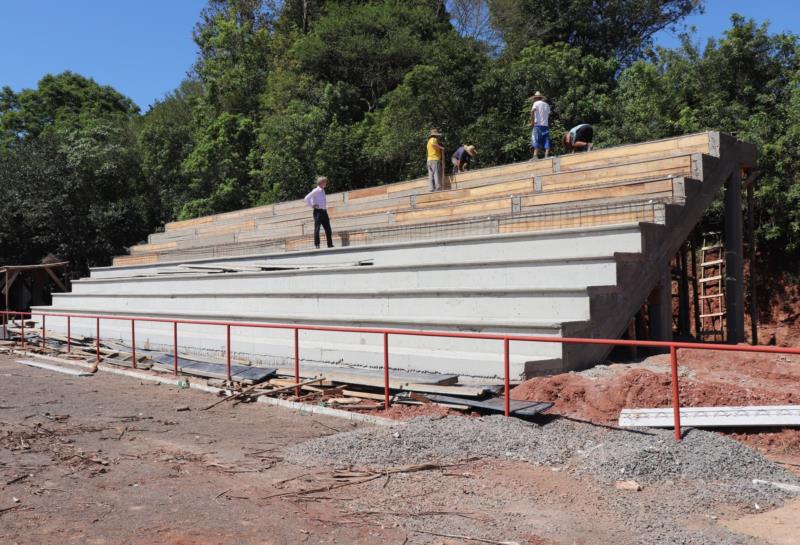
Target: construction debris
x=347 y=388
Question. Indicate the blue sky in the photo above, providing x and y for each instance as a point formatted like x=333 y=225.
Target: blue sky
x=144 y=48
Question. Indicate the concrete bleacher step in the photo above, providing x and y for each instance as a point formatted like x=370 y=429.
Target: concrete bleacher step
x=535 y=304
x=569 y=272
x=551 y=243
x=655 y=188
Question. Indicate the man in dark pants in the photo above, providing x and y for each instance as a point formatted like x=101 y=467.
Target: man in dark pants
x=316 y=200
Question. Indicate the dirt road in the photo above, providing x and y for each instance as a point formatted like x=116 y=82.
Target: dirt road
x=112 y=460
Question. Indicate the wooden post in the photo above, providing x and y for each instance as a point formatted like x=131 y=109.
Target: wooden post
x=684 y=327
x=698 y=326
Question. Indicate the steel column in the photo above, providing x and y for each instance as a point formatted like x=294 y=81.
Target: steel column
x=676 y=397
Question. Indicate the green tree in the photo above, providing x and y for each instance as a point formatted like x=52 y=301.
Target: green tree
x=619 y=29
x=71 y=173
x=166 y=139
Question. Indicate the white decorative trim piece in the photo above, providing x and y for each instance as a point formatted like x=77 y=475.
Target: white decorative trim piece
x=713 y=417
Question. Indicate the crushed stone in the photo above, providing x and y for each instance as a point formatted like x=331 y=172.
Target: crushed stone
x=703 y=470
x=605 y=454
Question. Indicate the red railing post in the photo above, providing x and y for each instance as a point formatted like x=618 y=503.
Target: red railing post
x=386 y=370
x=297 y=361
x=133 y=343
x=676 y=399
x=507 y=382
x=228 y=351
x=44 y=331
x=175 y=346
x=69 y=335
x=97 y=341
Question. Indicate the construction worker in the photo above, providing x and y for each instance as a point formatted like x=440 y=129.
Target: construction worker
x=462 y=157
x=579 y=138
x=435 y=160
x=540 y=121
x=317 y=201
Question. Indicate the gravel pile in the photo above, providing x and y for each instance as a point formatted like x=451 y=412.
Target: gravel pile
x=656 y=456
x=605 y=454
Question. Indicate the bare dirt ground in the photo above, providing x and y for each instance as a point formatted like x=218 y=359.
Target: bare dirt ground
x=111 y=460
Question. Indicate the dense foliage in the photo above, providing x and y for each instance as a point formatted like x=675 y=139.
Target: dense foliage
x=282 y=91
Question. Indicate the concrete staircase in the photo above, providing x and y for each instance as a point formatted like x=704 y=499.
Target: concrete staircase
x=568 y=246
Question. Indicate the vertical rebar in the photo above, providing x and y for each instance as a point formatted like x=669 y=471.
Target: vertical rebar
x=97 y=341
x=133 y=343
x=676 y=399
x=297 y=361
x=69 y=334
x=507 y=380
x=175 y=347
x=386 y=370
x=44 y=331
x=228 y=351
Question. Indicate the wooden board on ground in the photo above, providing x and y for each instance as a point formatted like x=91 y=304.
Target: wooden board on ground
x=495 y=405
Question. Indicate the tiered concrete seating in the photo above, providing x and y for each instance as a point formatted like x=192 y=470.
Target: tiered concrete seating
x=289 y=228
x=569 y=246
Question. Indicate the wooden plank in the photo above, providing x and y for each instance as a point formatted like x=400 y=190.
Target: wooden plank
x=127 y=260
x=366 y=192
x=479 y=208
x=236 y=227
x=622 y=190
x=548 y=223
x=152 y=248
x=676 y=166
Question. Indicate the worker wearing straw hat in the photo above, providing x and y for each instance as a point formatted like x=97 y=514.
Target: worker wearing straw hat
x=540 y=121
x=462 y=157
x=435 y=162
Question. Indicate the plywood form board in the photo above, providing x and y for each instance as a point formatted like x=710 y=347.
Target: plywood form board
x=567 y=222
x=694 y=143
x=675 y=166
x=662 y=187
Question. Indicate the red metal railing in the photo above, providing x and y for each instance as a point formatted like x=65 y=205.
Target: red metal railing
x=672 y=346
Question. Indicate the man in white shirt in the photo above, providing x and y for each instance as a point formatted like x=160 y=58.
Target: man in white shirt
x=316 y=200
x=540 y=121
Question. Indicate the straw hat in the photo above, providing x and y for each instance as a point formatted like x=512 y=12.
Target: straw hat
x=471 y=150
x=435 y=132
x=538 y=94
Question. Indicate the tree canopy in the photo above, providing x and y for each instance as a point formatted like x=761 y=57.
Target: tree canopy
x=282 y=91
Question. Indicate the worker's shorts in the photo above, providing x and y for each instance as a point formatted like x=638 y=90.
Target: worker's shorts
x=540 y=137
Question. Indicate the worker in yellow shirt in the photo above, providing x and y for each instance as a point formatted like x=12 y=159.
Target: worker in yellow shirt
x=435 y=156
